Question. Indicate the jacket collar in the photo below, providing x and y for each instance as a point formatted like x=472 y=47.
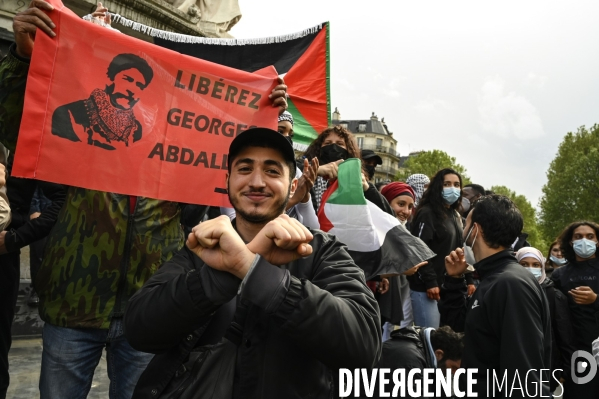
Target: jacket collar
x=493 y=263
x=594 y=263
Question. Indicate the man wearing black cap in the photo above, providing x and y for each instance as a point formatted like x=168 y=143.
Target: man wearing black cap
x=301 y=306
x=299 y=205
x=370 y=161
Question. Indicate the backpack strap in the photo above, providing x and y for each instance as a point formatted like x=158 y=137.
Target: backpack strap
x=234 y=332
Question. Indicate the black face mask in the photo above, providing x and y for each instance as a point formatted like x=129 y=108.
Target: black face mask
x=370 y=170
x=290 y=139
x=332 y=153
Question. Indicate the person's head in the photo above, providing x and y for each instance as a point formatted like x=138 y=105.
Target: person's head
x=492 y=225
x=555 y=259
x=285 y=126
x=129 y=75
x=333 y=144
x=419 y=183
x=380 y=185
x=465 y=208
x=261 y=175
x=533 y=260
x=444 y=191
x=401 y=198
x=473 y=192
x=448 y=347
x=369 y=161
x=578 y=242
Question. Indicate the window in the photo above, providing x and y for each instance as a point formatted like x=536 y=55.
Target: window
x=362 y=127
x=360 y=142
x=344 y=125
x=379 y=143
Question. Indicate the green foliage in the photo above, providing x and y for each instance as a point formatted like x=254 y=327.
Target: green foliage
x=535 y=238
x=572 y=189
x=429 y=163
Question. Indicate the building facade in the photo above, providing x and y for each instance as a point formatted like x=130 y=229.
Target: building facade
x=190 y=17
x=373 y=134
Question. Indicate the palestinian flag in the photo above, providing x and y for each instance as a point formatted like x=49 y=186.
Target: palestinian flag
x=376 y=241
x=302 y=58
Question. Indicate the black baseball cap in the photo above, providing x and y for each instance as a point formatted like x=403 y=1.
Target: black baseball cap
x=367 y=154
x=257 y=137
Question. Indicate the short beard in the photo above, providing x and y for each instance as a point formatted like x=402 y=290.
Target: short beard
x=257 y=218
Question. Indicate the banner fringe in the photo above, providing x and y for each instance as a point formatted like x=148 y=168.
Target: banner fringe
x=181 y=38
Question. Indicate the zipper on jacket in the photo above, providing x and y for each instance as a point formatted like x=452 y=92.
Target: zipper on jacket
x=117 y=312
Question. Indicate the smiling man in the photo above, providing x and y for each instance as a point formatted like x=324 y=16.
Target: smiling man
x=106 y=118
x=301 y=306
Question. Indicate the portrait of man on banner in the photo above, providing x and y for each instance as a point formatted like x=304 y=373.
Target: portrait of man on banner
x=106 y=119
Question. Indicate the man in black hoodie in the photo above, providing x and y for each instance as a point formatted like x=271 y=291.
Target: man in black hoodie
x=507 y=324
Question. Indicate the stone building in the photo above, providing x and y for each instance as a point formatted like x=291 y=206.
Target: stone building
x=373 y=134
x=191 y=17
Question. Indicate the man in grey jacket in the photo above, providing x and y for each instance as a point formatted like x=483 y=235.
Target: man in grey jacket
x=309 y=311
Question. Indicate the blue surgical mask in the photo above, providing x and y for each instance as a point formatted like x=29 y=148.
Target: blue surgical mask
x=584 y=248
x=451 y=195
x=536 y=271
x=558 y=261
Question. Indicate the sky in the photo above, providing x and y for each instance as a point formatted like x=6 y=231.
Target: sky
x=495 y=84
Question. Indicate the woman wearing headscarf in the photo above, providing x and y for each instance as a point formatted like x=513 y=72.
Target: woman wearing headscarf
x=562 y=334
x=401 y=198
x=419 y=183
x=437 y=223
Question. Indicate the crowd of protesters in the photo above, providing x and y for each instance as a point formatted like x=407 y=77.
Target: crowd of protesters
x=255 y=301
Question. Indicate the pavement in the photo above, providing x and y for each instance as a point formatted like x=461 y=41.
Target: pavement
x=25 y=356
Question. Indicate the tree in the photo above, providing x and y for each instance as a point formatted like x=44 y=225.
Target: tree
x=529 y=214
x=429 y=163
x=572 y=189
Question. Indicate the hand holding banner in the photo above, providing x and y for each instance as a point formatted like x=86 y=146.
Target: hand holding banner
x=109 y=112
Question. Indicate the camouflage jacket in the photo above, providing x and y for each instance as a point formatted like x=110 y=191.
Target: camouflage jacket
x=98 y=254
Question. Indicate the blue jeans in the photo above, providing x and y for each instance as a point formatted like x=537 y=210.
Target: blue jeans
x=425 y=311
x=71 y=355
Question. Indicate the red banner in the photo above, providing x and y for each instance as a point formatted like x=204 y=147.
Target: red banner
x=109 y=112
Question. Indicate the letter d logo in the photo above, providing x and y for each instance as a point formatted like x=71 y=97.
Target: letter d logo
x=579 y=366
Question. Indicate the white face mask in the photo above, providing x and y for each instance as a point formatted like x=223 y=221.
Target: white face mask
x=537 y=272
x=558 y=261
x=468 y=252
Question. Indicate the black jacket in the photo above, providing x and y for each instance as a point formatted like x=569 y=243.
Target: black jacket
x=507 y=322
x=23 y=230
x=563 y=340
x=585 y=318
x=442 y=237
x=408 y=348
x=305 y=320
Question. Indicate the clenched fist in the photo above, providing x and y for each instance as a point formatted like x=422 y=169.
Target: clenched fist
x=218 y=244
x=282 y=240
